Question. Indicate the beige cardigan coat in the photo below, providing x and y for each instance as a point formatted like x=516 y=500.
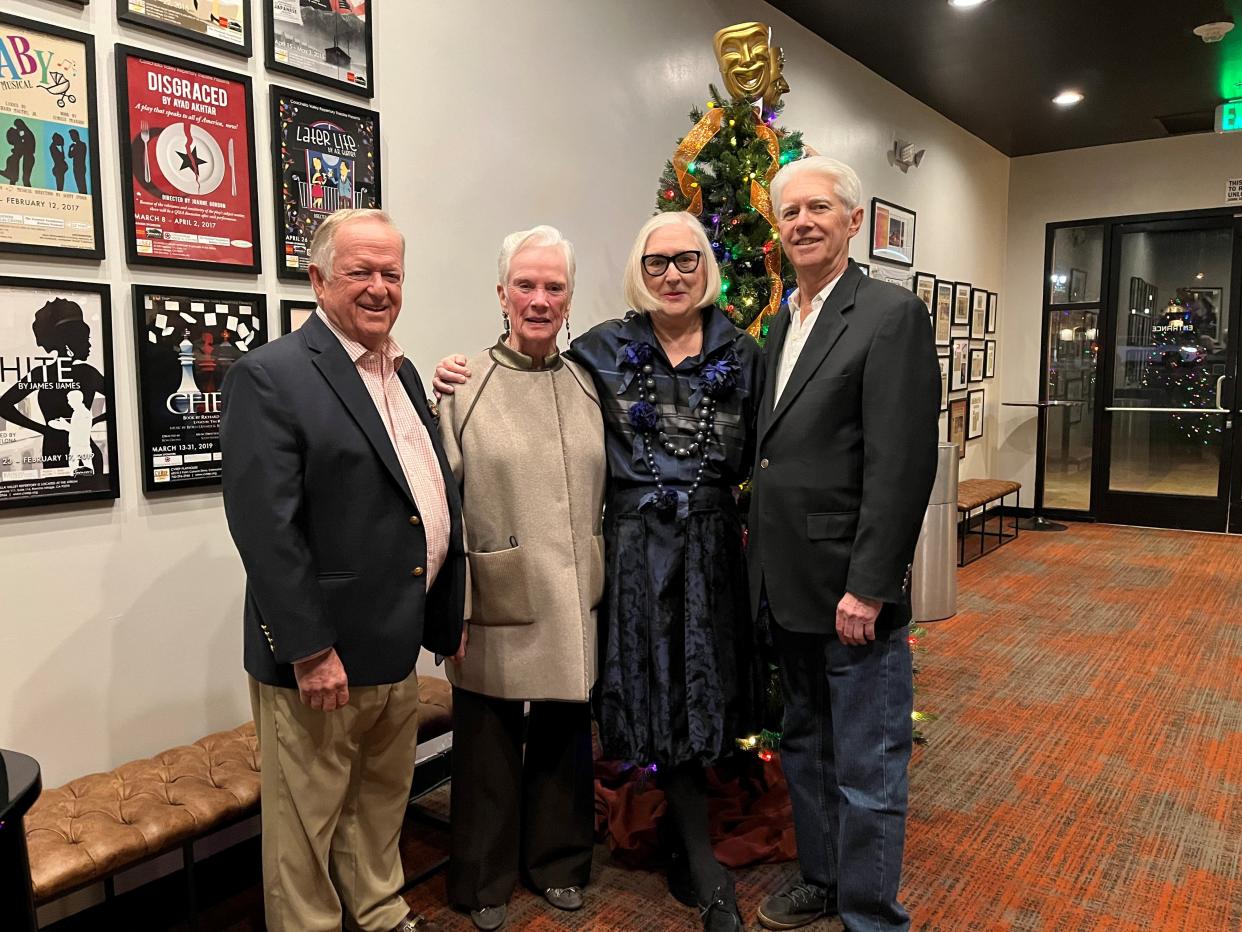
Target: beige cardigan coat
x=526 y=446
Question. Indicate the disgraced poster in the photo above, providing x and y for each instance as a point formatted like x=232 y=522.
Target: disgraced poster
x=49 y=147
x=224 y=24
x=186 y=342
x=57 y=407
x=187 y=173
x=326 y=157
x=328 y=41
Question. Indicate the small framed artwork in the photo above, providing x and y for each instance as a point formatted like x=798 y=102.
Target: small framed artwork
x=959 y=372
x=864 y=268
x=57 y=402
x=942 y=312
x=902 y=278
x=978 y=313
x=989 y=361
x=974 y=418
x=325 y=41
x=944 y=381
x=957 y=425
x=993 y=302
x=294 y=313
x=49 y=119
x=961 y=304
x=325 y=157
x=977 y=360
x=925 y=288
x=185 y=342
x=188 y=179
x=222 y=24
x=892 y=232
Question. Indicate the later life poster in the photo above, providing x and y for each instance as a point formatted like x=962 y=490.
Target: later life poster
x=49 y=148
x=187 y=164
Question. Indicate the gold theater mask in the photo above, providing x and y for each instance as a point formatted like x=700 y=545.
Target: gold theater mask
x=749 y=64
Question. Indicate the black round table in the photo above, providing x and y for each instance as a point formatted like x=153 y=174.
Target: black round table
x=20 y=785
x=1037 y=522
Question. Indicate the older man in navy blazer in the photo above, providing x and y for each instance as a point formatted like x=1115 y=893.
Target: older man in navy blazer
x=845 y=461
x=348 y=522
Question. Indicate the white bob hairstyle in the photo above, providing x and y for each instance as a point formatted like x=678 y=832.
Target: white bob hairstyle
x=323 y=243
x=844 y=180
x=637 y=294
x=541 y=235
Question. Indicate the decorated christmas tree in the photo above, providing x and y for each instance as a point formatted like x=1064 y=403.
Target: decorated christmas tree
x=1186 y=362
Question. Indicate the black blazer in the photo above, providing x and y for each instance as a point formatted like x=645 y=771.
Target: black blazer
x=845 y=463
x=324 y=520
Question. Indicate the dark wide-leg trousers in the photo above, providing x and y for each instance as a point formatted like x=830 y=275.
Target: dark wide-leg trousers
x=519 y=816
x=845 y=746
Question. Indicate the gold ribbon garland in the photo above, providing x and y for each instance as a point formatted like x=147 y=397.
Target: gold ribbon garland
x=761 y=200
x=689 y=149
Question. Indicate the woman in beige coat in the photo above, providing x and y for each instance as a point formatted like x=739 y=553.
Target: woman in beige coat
x=525 y=440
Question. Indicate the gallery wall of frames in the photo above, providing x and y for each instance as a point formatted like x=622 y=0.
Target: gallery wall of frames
x=177 y=100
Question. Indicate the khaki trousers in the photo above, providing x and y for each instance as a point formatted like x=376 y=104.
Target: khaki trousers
x=335 y=788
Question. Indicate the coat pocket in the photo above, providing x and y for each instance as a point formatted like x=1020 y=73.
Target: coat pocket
x=831 y=525
x=596 y=591
x=500 y=588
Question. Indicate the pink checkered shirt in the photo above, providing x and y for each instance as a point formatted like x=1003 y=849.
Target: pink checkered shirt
x=409 y=438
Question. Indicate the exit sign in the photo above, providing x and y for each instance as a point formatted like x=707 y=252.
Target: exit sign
x=1229 y=117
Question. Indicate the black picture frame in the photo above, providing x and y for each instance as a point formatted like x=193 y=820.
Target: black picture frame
x=977 y=354
x=165 y=368
x=150 y=18
x=47 y=103
x=186 y=223
x=961 y=304
x=955 y=431
x=20 y=296
x=989 y=363
x=993 y=311
x=294 y=313
x=959 y=366
x=925 y=290
x=892 y=233
x=945 y=364
x=978 y=313
x=942 y=313
x=975 y=398
x=280 y=41
x=864 y=267
x=297 y=218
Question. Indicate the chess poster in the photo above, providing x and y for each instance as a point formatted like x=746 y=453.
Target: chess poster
x=222 y=24
x=49 y=145
x=186 y=340
x=57 y=404
x=187 y=164
x=326 y=41
x=325 y=158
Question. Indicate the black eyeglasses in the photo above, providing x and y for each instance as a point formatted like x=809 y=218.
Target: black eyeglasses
x=656 y=264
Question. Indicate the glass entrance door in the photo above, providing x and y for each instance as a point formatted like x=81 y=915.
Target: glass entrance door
x=1170 y=425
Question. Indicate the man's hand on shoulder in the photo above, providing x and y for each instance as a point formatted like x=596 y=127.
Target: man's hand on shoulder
x=856 y=619
x=322 y=683
x=451 y=371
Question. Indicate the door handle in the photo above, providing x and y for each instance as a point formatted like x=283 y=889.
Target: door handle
x=1220 y=387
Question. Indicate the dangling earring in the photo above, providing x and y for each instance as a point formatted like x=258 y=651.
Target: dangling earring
x=569 y=337
x=508 y=327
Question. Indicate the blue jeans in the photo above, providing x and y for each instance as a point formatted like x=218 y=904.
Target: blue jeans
x=844 y=749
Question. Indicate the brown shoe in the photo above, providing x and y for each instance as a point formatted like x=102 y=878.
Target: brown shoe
x=413 y=923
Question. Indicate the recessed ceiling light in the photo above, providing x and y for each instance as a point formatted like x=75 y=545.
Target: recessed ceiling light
x=1199 y=277
x=966 y=4
x=1067 y=98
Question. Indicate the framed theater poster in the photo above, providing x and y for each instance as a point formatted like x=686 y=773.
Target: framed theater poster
x=326 y=41
x=961 y=304
x=185 y=342
x=957 y=425
x=325 y=157
x=993 y=302
x=57 y=404
x=222 y=24
x=977 y=360
x=974 y=414
x=959 y=370
x=989 y=359
x=187 y=164
x=294 y=313
x=942 y=312
x=978 y=312
x=50 y=126
x=925 y=288
x=944 y=382
x=892 y=232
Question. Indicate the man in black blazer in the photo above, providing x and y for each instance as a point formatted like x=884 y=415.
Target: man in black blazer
x=846 y=456
x=348 y=522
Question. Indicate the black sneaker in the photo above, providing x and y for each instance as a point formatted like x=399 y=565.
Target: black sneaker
x=797 y=905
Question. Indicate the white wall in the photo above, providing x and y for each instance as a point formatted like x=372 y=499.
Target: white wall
x=1152 y=176
x=122 y=633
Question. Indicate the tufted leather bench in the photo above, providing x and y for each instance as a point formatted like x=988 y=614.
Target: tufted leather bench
x=98 y=825
x=978 y=494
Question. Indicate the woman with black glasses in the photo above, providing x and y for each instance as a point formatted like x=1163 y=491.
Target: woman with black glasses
x=681 y=675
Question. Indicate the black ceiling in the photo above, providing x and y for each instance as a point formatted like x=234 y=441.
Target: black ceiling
x=994 y=70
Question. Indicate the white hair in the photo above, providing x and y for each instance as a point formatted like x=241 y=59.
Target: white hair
x=637 y=294
x=541 y=235
x=323 y=242
x=844 y=180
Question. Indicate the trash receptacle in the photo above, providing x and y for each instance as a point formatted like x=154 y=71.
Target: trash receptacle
x=933 y=577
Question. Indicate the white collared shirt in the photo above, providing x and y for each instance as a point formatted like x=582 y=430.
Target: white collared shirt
x=796 y=336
